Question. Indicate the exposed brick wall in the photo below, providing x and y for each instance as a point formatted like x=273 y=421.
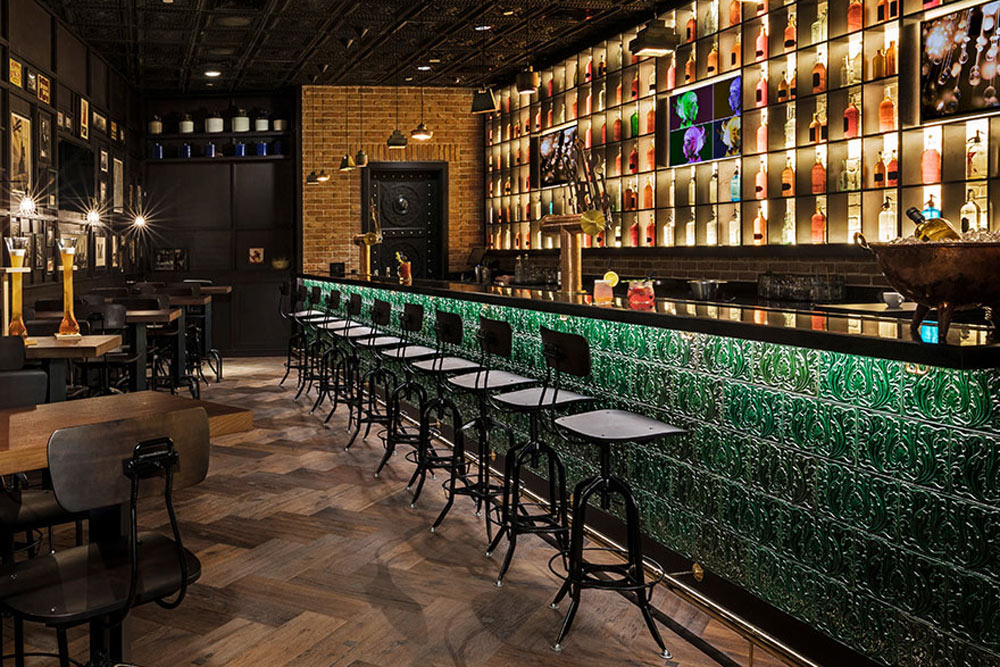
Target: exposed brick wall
x=331 y=211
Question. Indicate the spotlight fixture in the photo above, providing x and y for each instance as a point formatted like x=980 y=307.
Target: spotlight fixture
x=140 y=220
x=323 y=176
x=483 y=28
x=312 y=178
x=93 y=217
x=656 y=39
x=485 y=100
x=527 y=82
x=347 y=162
x=27 y=205
x=361 y=158
x=212 y=73
x=420 y=132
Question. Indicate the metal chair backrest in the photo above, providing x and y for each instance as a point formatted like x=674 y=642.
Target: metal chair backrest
x=144 y=302
x=104 y=318
x=333 y=302
x=566 y=352
x=495 y=338
x=354 y=306
x=145 y=288
x=448 y=327
x=94 y=299
x=381 y=313
x=11 y=353
x=411 y=320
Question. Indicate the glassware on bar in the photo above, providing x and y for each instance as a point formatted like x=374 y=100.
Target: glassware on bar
x=641 y=295
x=67 y=253
x=971 y=214
x=17 y=248
x=603 y=293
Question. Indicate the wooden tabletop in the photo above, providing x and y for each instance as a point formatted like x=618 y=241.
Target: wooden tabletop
x=164 y=316
x=24 y=433
x=84 y=347
x=216 y=290
x=202 y=300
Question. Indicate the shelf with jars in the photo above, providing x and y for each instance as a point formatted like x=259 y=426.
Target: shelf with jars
x=827 y=149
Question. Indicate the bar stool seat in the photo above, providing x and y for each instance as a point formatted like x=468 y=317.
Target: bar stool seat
x=352 y=331
x=410 y=352
x=376 y=342
x=616 y=426
x=445 y=365
x=327 y=323
x=539 y=398
x=310 y=312
x=480 y=381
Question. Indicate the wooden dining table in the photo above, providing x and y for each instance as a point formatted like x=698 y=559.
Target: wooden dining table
x=55 y=355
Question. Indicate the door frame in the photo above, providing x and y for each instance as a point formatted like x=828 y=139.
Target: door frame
x=439 y=166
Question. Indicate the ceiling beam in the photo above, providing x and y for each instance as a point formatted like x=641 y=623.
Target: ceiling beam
x=192 y=45
x=323 y=33
x=264 y=24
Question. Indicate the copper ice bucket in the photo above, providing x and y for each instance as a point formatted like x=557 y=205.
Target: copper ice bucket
x=944 y=276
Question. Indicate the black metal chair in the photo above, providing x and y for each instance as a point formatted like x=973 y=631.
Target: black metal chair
x=162 y=341
x=114 y=368
x=570 y=353
x=95 y=468
x=519 y=515
x=289 y=303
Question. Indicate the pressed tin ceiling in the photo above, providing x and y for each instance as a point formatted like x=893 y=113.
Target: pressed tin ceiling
x=269 y=44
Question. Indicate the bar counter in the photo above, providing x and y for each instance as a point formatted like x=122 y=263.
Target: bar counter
x=835 y=469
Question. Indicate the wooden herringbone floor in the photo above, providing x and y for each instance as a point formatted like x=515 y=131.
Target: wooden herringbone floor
x=309 y=561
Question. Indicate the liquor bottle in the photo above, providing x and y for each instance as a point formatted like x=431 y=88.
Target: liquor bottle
x=635 y=85
x=651 y=232
x=634 y=234
x=735 y=12
x=551 y=86
x=890 y=59
x=517 y=156
x=760 y=93
x=818 y=176
x=538 y=120
x=600 y=99
x=818 y=77
x=548 y=118
x=852 y=120
x=975 y=157
x=817 y=226
x=817 y=31
x=506 y=186
x=651 y=84
x=589 y=103
x=789 y=126
x=762 y=135
x=735 y=229
x=713 y=184
x=669 y=232
x=602 y=67
x=629 y=198
x=851 y=176
x=672 y=191
x=691 y=229
x=855 y=15
x=589 y=71
x=783 y=87
x=692 y=192
x=647 y=194
x=761 y=7
x=930 y=166
x=690 y=71
x=790 y=38
x=887 y=221
x=735 y=185
x=713 y=60
x=760 y=44
x=736 y=54
x=893 y=8
x=892 y=171
x=760 y=182
x=712 y=229
x=970 y=213
x=634 y=122
x=672 y=73
x=878 y=64
x=617 y=132
x=691 y=31
x=930 y=210
x=618 y=92
x=788 y=179
x=618 y=162
x=604 y=133
x=879 y=175
x=931 y=227
x=651 y=120
x=886 y=114
x=846 y=72
x=788 y=226
x=651 y=157
x=814 y=130
x=760 y=227
x=711 y=24
x=882 y=11
x=633 y=160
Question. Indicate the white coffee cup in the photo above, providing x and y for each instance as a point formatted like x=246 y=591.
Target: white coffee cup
x=893 y=299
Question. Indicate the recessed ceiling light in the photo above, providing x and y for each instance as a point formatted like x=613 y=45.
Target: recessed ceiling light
x=484 y=27
x=408 y=78
x=509 y=12
x=212 y=73
x=433 y=60
x=424 y=68
x=168 y=2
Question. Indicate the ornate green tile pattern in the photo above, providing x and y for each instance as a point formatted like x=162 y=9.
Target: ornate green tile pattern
x=859 y=495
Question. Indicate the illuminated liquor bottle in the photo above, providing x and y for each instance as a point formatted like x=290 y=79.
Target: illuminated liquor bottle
x=548 y=117
x=651 y=83
x=630 y=198
x=846 y=72
x=633 y=160
x=815 y=132
x=886 y=113
x=930 y=165
x=647 y=194
x=690 y=68
x=790 y=33
x=589 y=103
x=600 y=99
x=634 y=123
x=975 y=157
x=651 y=157
x=760 y=181
x=892 y=171
x=691 y=229
x=878 y=64
x=713 y=184
x=817 y=30
x=818 y=176
x=855 y=15
x=635 y=85
x=671 y=82
x=760 y=44
x=691 y=31
x=604 y=132
x=735 y=185
x=618 y=162
x=887 y=230
x=634 y=234
x=760 y=227
x=760 y=90
x=930 y=225
x=852 y=120
x=817 y=226
x=788 y=226
x=551 y=86
x=736 y=54
x=970 y=213
x=618 y=92
x=651 y=232
x=735 y=229
x=588 y=73
x=930 y=210
x=818 y=77
x=879 y=172
x=783 y=87
x=762 y=135
x=790 y=127
x=712 y=228
x=617 y=132
x=712 y=66
x=735 y=12
x=602 y=67
x=711 y=20
x=788 y=179
x=651 y=120
x=538 y=119
x=882 y=10
x=890 y=59
x=692 y=189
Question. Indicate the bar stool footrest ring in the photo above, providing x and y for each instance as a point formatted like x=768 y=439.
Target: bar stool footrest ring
x=624 y=582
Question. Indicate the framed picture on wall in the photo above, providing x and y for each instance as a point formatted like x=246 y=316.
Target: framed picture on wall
x=31 y=80
x=100 y=250
x=44 y=89
x=39 y=248
x=84 y=119
x=103 y=193
x=14 y=72
x=118 y=186
x=44 y=138
x=53 y=188
x=20 y=153
x=15 y=227
x=114 y=251
x=50 y=235
x=104 y=161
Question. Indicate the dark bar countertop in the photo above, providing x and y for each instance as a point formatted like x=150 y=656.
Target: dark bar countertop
x=969 y=346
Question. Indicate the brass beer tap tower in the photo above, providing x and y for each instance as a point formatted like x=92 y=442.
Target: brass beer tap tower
x=590 y=200
x=366 y=241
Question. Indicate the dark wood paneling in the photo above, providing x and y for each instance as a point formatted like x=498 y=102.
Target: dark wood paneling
x=71 y=59
x=98 y=83
x=190 y=196
x=261 y=330
x=263 y=193
x=31 y=33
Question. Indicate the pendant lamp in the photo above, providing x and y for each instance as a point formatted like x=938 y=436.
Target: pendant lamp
x=397 y=140
x=420 y=132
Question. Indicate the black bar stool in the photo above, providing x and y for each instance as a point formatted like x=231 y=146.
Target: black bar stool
x=344 y=365
x=495 y=340
x=602 y=428
x=327 y=383
x=287 y=306
x=519 y=516
x=378 y=376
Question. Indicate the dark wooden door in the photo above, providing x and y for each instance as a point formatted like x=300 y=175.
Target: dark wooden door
x=410 y=198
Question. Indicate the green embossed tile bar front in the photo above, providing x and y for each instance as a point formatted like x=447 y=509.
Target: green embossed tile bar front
x=858 y=494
